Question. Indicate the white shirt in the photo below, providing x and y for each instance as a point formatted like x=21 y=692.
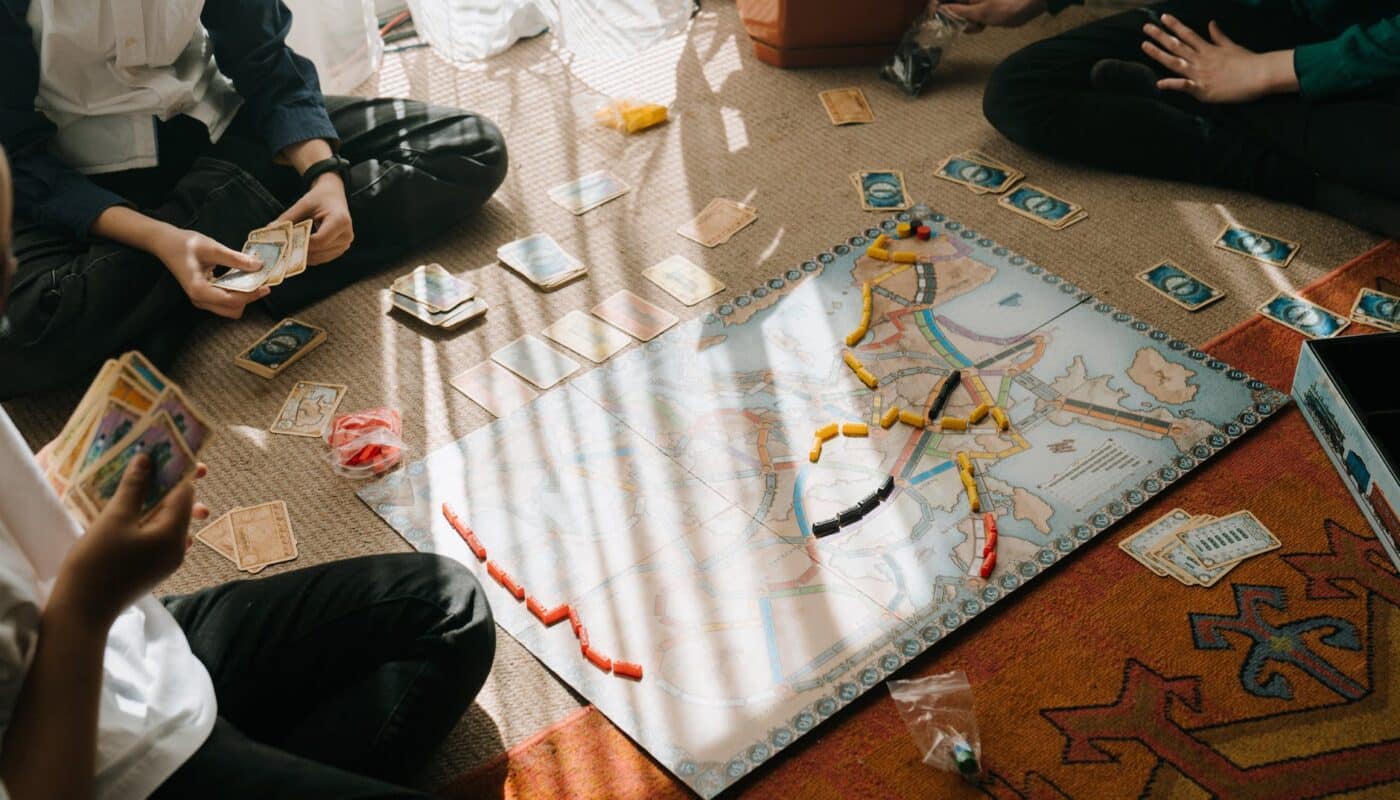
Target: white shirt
x=157 y=704
x=109 y=68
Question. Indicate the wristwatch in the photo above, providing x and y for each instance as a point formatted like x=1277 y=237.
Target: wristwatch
x=337 y=164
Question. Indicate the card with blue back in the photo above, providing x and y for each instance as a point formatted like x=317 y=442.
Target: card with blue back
x=1257 y=245
x=1042 y=206
x=1180 y=286
x=1377 y=309
x=978 y=172
x=1309 y=319
x=882 y=190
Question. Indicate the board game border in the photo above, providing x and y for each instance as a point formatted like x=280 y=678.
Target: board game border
x=709 y=779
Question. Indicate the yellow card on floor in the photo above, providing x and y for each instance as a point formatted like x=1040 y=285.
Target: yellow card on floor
x=262 y=535
x=591 y=338
x=684 y=280
x=846 y=106
x=631 y=313
x=308 y=409
x=494 y=388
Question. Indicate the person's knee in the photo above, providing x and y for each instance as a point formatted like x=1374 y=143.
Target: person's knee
x=467 y=625
x=1015 y=99
x=480 y=148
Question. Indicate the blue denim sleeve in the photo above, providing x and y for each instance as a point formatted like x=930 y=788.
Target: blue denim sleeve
x=279 y=88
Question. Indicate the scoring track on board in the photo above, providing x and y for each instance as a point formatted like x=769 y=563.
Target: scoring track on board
x=668 y=497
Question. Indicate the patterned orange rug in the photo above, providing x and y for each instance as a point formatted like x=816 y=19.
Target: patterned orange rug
x=1107 y=681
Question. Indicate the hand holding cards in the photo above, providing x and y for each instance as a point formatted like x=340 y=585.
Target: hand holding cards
x=130 y=409
x=282 y=249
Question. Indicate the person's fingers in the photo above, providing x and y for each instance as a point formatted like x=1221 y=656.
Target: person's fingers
x=200 y=470
x=173 y=512
x=131 y=492
x=1174 y=63
x=213 y=254
x=226 y=303
x=1168 y=42
x=1184 y=32
x=971 y=11
x=298 y=211
x=1177 y=85
x=200 y=511
x=1218 y=36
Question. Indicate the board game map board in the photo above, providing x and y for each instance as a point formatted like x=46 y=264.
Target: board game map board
x=668 y=497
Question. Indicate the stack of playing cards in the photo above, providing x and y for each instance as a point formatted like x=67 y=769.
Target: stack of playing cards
x=131 y=408
x=281 y=247
x=1377 y=309
x=718 y=222
x=589 y=192
x=881 y=190
x=846 y=106
x=979 y=172
x=279 y=348
x=540 y=260
x=437 y=297
x=1199 y=550
x=252 y=538
x=1049 y=210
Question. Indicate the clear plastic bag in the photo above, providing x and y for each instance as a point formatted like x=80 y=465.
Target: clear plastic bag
x=365 y=443
x=918 y=54
x=938 y=711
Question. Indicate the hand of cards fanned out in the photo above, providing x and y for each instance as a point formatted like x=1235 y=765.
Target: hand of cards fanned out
x=436 y=297
x=1198 y=550
x=131 y=408
x=282 y=249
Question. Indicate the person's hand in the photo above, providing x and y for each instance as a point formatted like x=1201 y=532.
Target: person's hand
x=1216 y=71
x=121 y=557
x=191 y=257
x=995 y=13
x=333 y=231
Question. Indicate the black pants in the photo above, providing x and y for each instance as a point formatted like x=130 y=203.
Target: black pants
x=1042 y=98
x=335 y=681
x=416 y=171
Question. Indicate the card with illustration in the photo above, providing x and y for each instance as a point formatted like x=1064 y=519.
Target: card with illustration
x=286 y=343
x=113 y=424
x=1377 y=309
x=1042 y=206
x=433 y=286
x=846 y=106
x=308 y=409
x=684 y=280
x=1256 y=245
x=591 y=338
x=540 y=260
x=1228 y=539
x=171 y=461
x=1180 y=286
x=494 y=388
x=631 y=313
x=532 y=359
x=981 y=176
x=718 y=222
x=882 y=190
x=446 y=320
x=589 y=192
x=1309 y=319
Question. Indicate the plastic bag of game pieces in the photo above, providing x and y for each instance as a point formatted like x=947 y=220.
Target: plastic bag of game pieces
x=629 y=116
x=365 y=443
x=911 y=65
x=938 y=711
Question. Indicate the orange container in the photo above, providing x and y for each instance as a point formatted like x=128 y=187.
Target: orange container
x=826 y=33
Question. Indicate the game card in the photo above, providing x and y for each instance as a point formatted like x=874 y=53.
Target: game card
x=494 y=388
x=113 y=424
x=218 y=536
x=591 y=338
x=1309 y=319
x=432 y=286
x=446 y=320
x=299 y=244
x=1377 y=309
x=882 y=190
x=1042 y=206
x=280 y=234
x=1146 y=539
x=684 y=280
x=540 y=260
x=1182 y=562
x=171 y=461
x=1228 y=539
x=144 y=371
x=286 y=343
x=589 y=192
x=532 y=359
x=846 y=106
x=262 y=535
x=267 y=253
x=1259 y=246
x=308 y=410
x=1180 y=286
x=980 y=174
x=718 y=222
x=631 y=313
x=193 y=427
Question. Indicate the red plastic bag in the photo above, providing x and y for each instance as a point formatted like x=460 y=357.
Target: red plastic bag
x=366 y=443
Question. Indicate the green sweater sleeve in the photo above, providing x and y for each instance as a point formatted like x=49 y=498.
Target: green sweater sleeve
x=1362 y=56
